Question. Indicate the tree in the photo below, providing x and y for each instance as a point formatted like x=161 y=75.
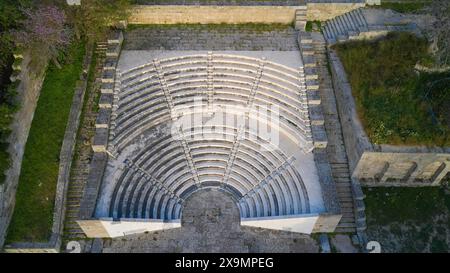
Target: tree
x=440 y=31
x=93 y=17
x=44 y=31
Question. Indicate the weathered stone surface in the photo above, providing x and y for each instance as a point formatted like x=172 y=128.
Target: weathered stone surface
x=355 y=138
x=200 y=37
x=343 y=244
x=100 y=140
x=103 y=118
x=383 y=169
x=211 y=14
x=210 y=223
x=90 y=194
x=106 y=100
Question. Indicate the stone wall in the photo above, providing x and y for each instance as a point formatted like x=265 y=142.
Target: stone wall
x=211 y=14
x=27 y=97
x=378 y=169
x=180 y=14
x=355 y=138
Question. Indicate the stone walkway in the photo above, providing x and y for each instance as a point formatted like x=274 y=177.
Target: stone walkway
x=210 y=223
x=83 y=154
x=212 y=37
x=336 y=147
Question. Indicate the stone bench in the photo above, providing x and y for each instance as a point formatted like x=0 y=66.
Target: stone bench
x=131 y=104
x=122 y=140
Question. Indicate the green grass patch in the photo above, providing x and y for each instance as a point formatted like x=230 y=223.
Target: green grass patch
x=310 y=24
x=405 y=204
x=409 y=220
x=403 y=7
x=33 y=213
x=396 y=104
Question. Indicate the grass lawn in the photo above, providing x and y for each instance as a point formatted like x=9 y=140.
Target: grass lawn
x=409 y=219
x=33 y=213
x=309 y=25
x=396 y=104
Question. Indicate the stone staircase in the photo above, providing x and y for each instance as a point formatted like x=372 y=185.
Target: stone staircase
x=366 y=22
x=346 y=26
x=83 y=154
x=336 y=148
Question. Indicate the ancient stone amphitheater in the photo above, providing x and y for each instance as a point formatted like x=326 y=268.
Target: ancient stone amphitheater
x=186 y=106
x=197 y=124
x=186 y=121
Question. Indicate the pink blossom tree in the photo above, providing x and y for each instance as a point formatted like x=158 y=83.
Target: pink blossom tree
x=44 y=32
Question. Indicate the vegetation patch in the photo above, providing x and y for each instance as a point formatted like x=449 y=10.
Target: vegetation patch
x=409 y=219
x=403 y=7
x=310 y=26
x=397 y=104
x=35 y=198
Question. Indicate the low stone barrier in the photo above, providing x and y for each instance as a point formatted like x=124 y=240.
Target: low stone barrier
x=381 y=169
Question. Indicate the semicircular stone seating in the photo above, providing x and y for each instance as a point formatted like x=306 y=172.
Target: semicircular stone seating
x=155 y=179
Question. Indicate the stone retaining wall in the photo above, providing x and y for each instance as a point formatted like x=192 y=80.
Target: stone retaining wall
x=212 y=14
x=355 y=138
x=378 y=169
x=28 y=94
x=196 y=14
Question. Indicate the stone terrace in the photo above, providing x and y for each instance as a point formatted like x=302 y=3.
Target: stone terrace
x=216 y=37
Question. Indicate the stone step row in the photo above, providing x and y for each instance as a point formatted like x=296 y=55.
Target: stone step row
x=150 y=164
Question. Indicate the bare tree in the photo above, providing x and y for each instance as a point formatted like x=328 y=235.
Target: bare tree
x=44 y=31
x=93 y=16
x=440 y=31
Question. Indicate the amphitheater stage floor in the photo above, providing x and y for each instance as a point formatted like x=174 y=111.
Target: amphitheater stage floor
x=205 y=230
